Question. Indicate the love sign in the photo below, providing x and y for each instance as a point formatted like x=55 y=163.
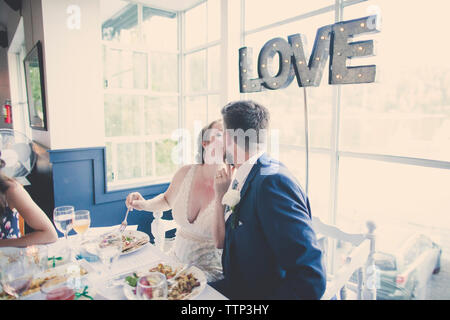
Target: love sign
x=331 y=41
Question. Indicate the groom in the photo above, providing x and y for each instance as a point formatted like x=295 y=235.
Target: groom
x=270 y=249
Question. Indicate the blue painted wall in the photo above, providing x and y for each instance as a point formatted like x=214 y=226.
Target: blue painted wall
x=79 y=179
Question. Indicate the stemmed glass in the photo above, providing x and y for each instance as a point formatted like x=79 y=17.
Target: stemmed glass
x=152 y=286
x=17 y=274
x=63 y=218
x=81 y=222
x=109 y=248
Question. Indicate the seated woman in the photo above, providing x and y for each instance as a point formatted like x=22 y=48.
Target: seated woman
x=190 y=196
x=14 y=199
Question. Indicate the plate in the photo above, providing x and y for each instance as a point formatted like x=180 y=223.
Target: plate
x=199 y=274
x=76 y=272
x=140 y=239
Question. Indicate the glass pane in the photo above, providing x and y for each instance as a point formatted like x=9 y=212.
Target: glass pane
x=263 y=12
x=196 y=71
x=119 y=21
x=164 y=72
x=154 y=21
x=407 y=111
x=149 y=159
x=140 y=70
x=161 y=116
x=122 y=114
x=214 y=108
x=124 y=69
x=129 y=161
x=307 y=27
x=195 y=26
x=214 y=20
x=165 y=167
x=319 y=178
x=287 y=105
x=196 y=117
x=214 y=68
x=395 y=196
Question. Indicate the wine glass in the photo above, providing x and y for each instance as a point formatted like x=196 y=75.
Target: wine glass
x=109 y=248
x=17 y=274
x=63 y=218
x=81 y=222
x=38 y=255
x=152 y=286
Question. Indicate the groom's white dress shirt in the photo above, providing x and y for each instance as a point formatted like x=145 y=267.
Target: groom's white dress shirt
x=241 y=174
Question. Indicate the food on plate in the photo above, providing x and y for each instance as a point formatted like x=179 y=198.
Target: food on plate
x=132 y=280
x=48 y=277
x=184 y=284
x=165 y=270
x=131 y=242
x=128 y=242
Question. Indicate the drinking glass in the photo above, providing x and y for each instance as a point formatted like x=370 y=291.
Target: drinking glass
x=109 y=248
x=81 y=222
x=60 y=291
x=38 y=255
x=152 y=286
x=63 y=218
x=17 y=274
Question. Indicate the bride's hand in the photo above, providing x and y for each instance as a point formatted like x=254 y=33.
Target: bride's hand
x=222 y=181
x=135 y=201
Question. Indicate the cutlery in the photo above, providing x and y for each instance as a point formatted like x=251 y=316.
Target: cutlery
x=124 y=223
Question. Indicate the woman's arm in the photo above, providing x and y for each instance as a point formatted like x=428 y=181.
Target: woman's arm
x=44 y=232
x=221 y=184
x=161 y=202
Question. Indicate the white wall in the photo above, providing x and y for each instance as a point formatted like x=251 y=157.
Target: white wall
x=73 y=74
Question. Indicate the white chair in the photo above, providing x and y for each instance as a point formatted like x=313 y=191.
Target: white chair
x=159 y=228
x=359 y=260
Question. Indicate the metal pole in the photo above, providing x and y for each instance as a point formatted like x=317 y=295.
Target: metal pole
x=305 y=100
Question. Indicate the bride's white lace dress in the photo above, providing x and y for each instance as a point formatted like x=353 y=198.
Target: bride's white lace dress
x=194 y=241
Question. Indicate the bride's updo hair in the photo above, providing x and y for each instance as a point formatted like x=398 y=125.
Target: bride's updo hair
x=200 y=155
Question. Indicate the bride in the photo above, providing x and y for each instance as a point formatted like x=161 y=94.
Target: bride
x=190 y=196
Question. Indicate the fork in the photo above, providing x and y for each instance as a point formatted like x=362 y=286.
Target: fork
x=124 y=223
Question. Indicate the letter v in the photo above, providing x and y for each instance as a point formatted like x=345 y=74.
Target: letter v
x=310 y=74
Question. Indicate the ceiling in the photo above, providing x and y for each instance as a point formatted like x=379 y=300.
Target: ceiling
x=172 y=5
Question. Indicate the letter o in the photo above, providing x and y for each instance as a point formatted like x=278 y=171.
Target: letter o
x=285 y=73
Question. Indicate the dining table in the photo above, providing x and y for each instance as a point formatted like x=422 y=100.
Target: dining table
x=147 y=255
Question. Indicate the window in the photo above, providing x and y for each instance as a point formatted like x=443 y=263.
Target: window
x=202 y=53
x=141 y=93
x=376 y=150
x=262 y=23
x=407 y=111
x=155 y=83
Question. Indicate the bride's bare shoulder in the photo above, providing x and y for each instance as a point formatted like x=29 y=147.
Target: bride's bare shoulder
x=177 y=180
x=181 y=173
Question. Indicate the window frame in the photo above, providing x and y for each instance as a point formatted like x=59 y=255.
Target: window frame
x=335 y=152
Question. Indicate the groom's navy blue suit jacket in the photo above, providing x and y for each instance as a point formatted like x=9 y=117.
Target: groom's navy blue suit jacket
x=272 y=253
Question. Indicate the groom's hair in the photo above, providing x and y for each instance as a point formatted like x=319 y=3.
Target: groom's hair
x=247 y=115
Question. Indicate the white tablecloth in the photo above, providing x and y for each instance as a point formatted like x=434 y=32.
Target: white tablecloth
x=146 y=255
